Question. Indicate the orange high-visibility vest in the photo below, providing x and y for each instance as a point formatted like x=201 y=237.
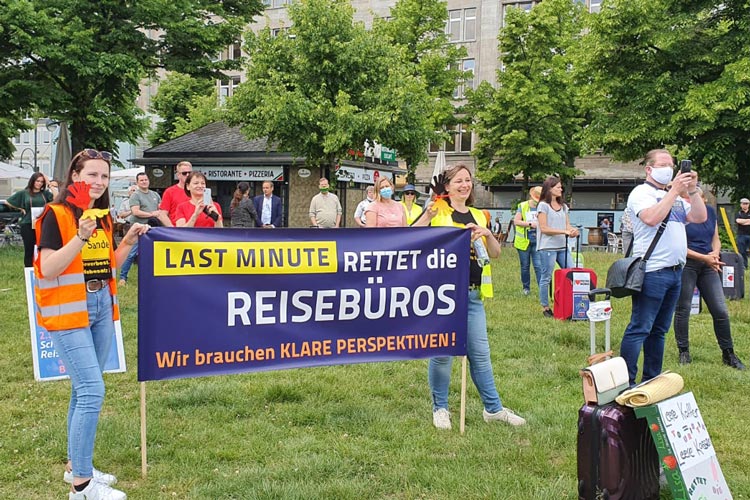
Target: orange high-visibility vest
x=61 y=301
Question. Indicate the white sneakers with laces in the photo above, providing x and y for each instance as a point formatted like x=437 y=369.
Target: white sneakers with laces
x=441 y=419
x=99 y=476
x=505 y=415
x=97 y=491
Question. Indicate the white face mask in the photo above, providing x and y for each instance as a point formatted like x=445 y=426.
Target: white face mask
x=662 y=175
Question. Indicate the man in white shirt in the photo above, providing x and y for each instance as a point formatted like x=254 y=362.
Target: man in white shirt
x=654 y=306
x=359 y=213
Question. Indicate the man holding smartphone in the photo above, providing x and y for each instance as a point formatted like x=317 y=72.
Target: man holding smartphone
x=653 y=205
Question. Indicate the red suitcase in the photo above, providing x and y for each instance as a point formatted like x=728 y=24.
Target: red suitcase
x=617 y=459
x=564 y=304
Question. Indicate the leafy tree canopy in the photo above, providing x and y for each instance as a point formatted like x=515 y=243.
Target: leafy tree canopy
x=530 y=124
x=178 y=94
x=327 y=84
x=667 y=72
x=82 y=61
x=418 y=26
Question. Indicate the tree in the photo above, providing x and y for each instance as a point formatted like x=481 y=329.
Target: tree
x=666 y=72
x=82 y=61
x=177 y=94
x=530 y=124
x=327 y=85
x=418 y=27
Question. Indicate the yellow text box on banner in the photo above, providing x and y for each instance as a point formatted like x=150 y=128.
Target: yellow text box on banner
x=177 y=258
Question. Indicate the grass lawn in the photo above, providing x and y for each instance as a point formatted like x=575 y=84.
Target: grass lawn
x=356 y=431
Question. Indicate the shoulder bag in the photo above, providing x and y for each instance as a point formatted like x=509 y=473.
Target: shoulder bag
x=625 y=276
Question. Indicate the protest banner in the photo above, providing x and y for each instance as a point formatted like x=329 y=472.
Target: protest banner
x=47 y=363
x=231 y=301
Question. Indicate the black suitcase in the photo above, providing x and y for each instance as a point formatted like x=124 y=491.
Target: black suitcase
x=617 y=459
x=733 y=275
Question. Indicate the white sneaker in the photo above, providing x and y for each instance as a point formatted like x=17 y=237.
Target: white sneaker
x=441 y=419
x=505 y=415
x=99 y=477
x=97 y=491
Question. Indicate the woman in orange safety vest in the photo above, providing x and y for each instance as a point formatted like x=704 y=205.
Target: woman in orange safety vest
x=76 y=299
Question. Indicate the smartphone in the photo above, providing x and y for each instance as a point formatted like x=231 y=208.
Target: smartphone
x=685 y=166
x=207 y=197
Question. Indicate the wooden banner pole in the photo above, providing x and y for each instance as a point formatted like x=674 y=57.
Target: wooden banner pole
x=462 y=424
x=143 y=431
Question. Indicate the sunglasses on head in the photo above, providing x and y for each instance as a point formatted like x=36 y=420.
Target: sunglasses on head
x=93 y=154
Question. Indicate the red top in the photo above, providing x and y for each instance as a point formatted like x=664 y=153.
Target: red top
x=187 y=209
x=172 y=198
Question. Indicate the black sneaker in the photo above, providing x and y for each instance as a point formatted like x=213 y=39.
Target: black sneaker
x=685 y=358
x=548 y=313
x=730 y=358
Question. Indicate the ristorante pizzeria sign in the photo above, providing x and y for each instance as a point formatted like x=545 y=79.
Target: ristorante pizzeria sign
x=235 y=173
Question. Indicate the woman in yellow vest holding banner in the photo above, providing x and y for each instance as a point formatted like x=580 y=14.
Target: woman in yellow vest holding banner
x=76 y=299
x=456 y=184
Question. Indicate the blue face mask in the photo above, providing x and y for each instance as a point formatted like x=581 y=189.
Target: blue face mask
x=386 y=193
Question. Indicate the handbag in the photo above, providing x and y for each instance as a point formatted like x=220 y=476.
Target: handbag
x=625 y=276
x=604 y=381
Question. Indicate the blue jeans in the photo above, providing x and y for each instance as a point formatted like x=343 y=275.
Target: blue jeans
x=650 y=321
x=743 y=244
x=527 y=257
x=547 y=259
x=708 y=281
x=84 y=352
x=125 y=268
x=480 y=365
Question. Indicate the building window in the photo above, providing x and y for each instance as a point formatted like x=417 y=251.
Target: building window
x=453 y=28
x=524 y=6
x=461 y=25
x=232 y=52
x=467 y=66
x=463 y=139
x=470 y=24
x=459 y=141
x=595 y=6
x=226 y=88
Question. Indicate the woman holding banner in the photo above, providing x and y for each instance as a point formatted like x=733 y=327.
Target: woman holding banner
x=455 y=185
x=76 y=299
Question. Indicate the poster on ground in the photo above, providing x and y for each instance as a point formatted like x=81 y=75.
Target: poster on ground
x=229 y=301
x=47 y=362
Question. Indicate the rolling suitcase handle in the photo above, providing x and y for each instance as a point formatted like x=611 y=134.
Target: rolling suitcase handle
x=599 y=311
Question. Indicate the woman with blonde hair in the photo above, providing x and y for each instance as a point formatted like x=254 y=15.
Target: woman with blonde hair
x=384 y=211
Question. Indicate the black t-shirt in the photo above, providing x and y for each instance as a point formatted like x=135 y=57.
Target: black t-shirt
x=95 y=253
x=744 y=230
x=475 y=271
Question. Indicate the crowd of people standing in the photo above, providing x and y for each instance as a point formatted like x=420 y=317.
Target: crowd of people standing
x=68 y=266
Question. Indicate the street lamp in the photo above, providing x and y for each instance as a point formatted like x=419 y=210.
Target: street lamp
x=33 y=152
